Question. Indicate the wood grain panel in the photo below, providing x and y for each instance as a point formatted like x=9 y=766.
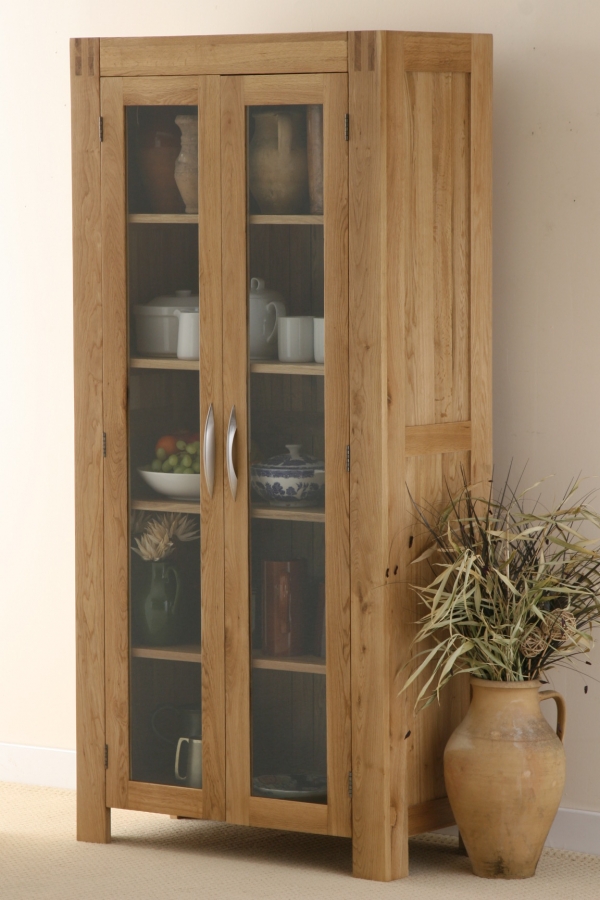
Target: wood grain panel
x=261 y=90
x=438 y=332
x=337 y=438
x=429 y=816
x=437 y=52
x=431 y=480
x=93 y=817
x=166 y=799
x=481 y=258
x=211 y=392
x=288 y=815
x=236 y=512
x=420 y=299
x=175 y=91
x=371 y=816
x=423 y=439
x=116 y=528
x=225 y=54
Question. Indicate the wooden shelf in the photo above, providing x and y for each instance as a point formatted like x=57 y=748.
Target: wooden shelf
x=163 y=219
x=312 y=665
x=167 y=362
x=303 y=514
x=178 y=653
x=167 y=505
x=286 y=220
x=268 y=367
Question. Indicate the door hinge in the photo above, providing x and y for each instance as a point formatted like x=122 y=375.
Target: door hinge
x=347 y=126
x=349 y=784
x=103 y=443
x=106 y=756
x=101 y=128
x=347 y=457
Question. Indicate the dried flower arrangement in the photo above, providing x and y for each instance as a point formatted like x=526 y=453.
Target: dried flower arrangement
x=154 y=535
x=516 y=589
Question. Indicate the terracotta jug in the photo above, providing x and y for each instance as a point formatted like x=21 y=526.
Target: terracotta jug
x=505 y=772
x=186 y=164
x=278 y=168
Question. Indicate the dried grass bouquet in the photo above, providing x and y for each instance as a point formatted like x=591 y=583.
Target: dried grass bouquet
x=516 y=587
x=154 y=535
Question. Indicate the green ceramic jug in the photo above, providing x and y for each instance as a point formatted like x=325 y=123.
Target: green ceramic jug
x=160 y=606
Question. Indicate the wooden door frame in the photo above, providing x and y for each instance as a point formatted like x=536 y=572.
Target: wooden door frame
x=115 y=95
x=237 y=93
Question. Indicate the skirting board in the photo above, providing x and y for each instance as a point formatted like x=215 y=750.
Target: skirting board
x=572 y=829
x=44 y=766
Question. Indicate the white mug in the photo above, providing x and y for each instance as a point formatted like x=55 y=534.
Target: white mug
x=193 y=775
x=188 y=334
x=319 y=340
x=295 y=339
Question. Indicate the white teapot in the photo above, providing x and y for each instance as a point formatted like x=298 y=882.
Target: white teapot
x=265 y=308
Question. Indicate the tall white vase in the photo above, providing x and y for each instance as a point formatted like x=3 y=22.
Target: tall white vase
x=186 y=164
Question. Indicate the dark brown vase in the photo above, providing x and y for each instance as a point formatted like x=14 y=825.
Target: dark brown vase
x=159 y=144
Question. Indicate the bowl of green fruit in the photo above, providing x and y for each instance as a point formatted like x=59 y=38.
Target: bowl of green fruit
x=175 y=469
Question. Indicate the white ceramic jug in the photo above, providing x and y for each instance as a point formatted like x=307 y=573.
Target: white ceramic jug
x=265 y=308
x=188 y=335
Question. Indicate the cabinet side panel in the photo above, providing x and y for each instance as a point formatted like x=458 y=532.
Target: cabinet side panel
x=481 y=257
x=371 y=815
x=430 y=480
x=116 y=525
x=93 y=817
x=398 y=157
x=438 y=258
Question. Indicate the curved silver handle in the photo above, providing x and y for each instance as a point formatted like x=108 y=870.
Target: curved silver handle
x=209 y=450
x=231 y=430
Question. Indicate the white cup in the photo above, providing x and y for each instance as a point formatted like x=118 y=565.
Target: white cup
x=319 y=340
x=295 y=339
x=188 y=335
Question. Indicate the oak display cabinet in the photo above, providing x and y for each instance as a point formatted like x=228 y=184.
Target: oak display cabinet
x=388 y=238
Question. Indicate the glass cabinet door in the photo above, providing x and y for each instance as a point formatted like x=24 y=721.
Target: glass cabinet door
x=162 y=479
x=287 y=492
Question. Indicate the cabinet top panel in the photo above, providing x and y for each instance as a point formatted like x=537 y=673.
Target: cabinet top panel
x=230 y=54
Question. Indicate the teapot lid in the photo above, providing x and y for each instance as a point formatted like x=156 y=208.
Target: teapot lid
x=258 y=289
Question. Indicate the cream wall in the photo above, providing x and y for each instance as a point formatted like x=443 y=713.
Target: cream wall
x=547 y=277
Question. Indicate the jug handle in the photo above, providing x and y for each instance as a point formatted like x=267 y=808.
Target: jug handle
x=179 y=743
x=284 y=133
x=561 y=710
x=279 y=308
x=257 y=284
x=177 y=586
x=153 y=723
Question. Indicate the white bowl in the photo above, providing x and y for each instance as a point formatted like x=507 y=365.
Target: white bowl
x=170 y=484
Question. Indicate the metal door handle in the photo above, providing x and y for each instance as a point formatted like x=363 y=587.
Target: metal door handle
x=231 y=430
x=209 y=450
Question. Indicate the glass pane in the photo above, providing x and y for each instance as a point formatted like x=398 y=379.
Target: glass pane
x=287 y=440
x=164 y=479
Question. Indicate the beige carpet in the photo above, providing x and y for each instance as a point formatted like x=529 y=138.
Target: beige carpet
x=156 y=857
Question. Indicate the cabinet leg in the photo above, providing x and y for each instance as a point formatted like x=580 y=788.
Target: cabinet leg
x=93 y=828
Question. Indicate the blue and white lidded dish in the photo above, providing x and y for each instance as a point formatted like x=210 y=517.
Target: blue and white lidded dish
x=290 y=479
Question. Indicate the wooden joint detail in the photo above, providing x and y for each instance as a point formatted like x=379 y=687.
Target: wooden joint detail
x=437 y=52
x=365 y=51
x=430 y=815
x=84 y=57
x=422 y=440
